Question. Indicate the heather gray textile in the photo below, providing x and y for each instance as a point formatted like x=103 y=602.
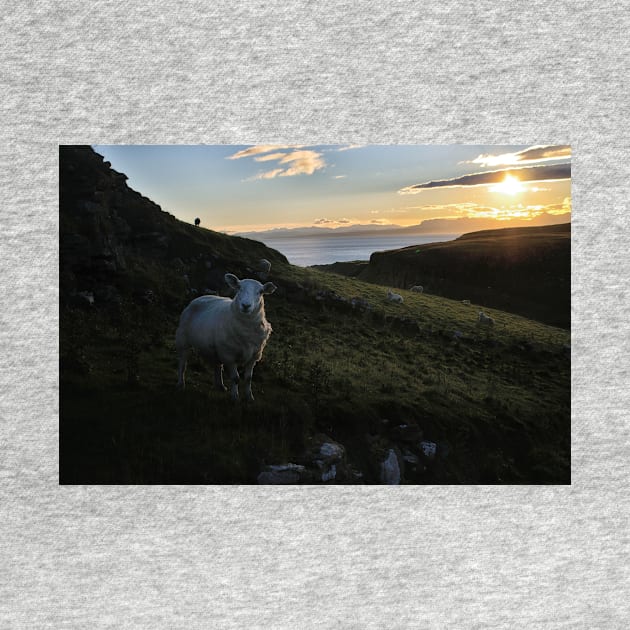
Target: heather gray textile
x=305 y=72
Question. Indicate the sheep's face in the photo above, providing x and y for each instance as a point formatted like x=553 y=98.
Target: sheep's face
x=249 y=294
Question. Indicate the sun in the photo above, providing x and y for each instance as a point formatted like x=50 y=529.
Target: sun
x=509 y=186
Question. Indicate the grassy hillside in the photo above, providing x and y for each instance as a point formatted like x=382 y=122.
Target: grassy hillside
x=374 y=377
x=520 y=270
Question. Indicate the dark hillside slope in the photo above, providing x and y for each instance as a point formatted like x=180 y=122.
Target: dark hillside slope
x=111 y=235
x=520 y=270
x=347 y=381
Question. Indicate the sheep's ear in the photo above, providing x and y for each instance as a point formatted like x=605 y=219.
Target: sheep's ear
x=232 y=281
x=270 y=287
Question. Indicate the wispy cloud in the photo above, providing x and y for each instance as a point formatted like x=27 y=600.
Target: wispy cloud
x=262 y=148
x=331 y=222
x=472 y=210
x=350 y=147
x=529 y=174
x=269 y=157
x=269 y=174
x=291 y=160
x=531 y=155
x=560 y=208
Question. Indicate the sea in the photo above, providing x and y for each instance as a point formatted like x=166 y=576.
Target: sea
x=320 y=250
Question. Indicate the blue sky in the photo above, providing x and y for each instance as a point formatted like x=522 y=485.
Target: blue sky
x=255 y=187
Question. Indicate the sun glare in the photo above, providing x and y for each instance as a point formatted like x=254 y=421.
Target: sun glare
x=509 y=186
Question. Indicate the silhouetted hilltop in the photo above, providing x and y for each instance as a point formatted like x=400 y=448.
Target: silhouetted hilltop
x=111 y=234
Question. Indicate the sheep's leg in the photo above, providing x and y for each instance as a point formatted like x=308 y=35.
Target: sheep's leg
x=218 y=378
x=181 y=371
x=249 y=371
x=233 y=372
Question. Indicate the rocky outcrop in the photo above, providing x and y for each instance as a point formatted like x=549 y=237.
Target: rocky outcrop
x=324 y=461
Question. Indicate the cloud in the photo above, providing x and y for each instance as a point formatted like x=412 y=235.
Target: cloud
x=380 y=221
x=350 y=147
x=538 y=153
x=269 y=157
x=295 y=162
x=325 y=221
x=560 y=208
x=269 y=174
x=302 y=163
x=529 y=174
x=262 y=148
x=472 y=210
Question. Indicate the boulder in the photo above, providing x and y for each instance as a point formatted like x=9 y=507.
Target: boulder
x=390 y=469
x=326 y=458
x=429 y=449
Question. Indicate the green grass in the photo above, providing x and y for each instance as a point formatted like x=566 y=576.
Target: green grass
x=499 y=398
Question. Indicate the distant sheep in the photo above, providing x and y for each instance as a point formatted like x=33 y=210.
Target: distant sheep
x=394 y=297
x=263 y=266
x=466 y=302
x=417 y=289
x=485 y=320
x=230 y=332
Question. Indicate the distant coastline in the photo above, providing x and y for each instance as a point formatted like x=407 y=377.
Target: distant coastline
x=456 y=226
x=305 y=251
x=323 y=245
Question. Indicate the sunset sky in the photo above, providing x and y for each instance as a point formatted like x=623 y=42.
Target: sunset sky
x=235 y=188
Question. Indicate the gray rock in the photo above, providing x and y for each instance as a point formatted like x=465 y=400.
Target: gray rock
x=429 y=449
x=390 y=469
x=330 y=474
x=326 y=459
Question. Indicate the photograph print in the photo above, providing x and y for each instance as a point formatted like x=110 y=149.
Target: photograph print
x=315 y=314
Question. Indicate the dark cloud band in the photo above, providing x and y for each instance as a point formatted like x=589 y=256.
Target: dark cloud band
x=528 y=174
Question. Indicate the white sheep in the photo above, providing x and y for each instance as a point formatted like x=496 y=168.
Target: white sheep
x=417 y=288
x=485 y=320
x=230 y=332
x=394 y=297
x=467 y=302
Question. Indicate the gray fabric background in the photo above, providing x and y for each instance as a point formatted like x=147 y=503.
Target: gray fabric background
x=339 y=557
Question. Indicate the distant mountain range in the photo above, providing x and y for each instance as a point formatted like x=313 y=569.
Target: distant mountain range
x=430 y=226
